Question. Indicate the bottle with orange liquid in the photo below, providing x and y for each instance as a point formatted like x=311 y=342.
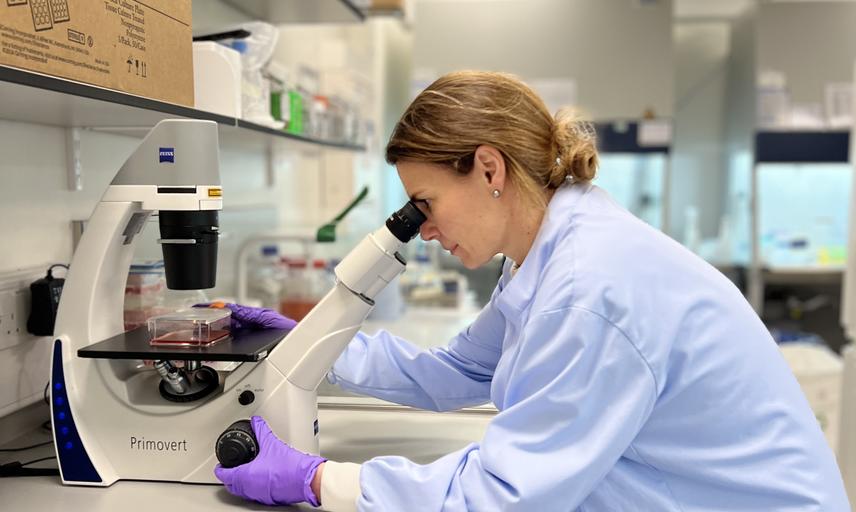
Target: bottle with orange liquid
x=295 y=299
x=305 y=285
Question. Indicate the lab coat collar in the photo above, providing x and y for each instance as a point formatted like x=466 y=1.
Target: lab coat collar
x=516 y=294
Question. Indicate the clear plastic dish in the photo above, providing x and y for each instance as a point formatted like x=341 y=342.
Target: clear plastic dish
x=190 y=327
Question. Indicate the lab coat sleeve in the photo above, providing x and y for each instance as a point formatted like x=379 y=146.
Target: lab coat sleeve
x=576 y=398
x=439 y=379
x=340 y=486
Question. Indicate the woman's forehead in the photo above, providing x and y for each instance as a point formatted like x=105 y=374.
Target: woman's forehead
x=419 y=174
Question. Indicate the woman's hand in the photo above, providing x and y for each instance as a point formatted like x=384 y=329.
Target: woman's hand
x=248 y=317
x=279 y=475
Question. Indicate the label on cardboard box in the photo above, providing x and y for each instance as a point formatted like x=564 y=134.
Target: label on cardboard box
x=143 y=48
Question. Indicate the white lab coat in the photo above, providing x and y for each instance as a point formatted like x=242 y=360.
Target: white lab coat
x=628 y=374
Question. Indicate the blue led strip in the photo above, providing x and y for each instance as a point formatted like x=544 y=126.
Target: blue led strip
x=73 y=459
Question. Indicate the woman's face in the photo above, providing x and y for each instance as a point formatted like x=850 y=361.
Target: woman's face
x=461 y=212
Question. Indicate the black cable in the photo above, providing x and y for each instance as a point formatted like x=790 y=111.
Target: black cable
x=18 y=469
x=47 y=425
x=52 y=457
x=24 y=448
x=45 y=393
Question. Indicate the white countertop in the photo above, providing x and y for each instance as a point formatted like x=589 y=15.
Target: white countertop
x=354 y=430
x=348 y=433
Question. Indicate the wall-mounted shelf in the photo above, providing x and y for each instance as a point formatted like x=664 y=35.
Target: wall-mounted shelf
x=36 y=98
x=300 y=11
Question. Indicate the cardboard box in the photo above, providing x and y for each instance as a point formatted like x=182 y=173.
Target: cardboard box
x=142 y=48
x=387 y=5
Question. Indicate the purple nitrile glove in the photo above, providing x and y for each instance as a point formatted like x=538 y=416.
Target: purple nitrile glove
x=279 y=475
x=259 y=318
x=248 y=317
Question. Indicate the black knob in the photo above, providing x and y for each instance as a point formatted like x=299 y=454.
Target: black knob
x=246 y=398
x=237 y=444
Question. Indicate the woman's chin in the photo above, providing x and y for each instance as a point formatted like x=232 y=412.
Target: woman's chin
x=469 y=263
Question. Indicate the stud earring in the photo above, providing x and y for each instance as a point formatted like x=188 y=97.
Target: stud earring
x=496 y=193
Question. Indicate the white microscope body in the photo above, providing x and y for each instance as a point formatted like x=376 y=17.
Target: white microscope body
x=110 y=421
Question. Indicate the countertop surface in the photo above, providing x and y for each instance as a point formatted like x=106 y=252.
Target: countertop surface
x=352 y=430
x=353 y=433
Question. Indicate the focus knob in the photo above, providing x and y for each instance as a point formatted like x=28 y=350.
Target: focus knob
x=237 y=445
x=246 y=398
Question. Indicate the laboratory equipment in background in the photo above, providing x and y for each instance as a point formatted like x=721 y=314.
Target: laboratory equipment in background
x=847 y=430
x=278 y=79
x=271 y=282
x=45 y=294
x=819 y=372
x=635 y=165
x=297 y=100
x=803 y=214
x=428 y=285
x=266 y=276
x=144 y=293
x=305 y=284
x=776 y=110
x=164 y=420
x=801 y=189
x=256 y=50
x=847 y=440
x=217 y=77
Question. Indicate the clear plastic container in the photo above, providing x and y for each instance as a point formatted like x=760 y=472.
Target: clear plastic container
x=190 y=327
x=144 y=293
x=266 y=277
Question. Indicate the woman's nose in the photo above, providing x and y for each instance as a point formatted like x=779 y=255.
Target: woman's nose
x=428 y=230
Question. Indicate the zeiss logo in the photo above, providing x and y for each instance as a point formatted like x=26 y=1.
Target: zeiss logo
x=166 y=155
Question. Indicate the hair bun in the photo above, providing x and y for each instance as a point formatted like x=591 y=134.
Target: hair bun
x=575 y=143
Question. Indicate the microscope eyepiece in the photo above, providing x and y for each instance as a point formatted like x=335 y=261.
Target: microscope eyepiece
x=405 y=223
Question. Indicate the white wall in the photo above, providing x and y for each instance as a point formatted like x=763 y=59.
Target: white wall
x=698 y=173
x=811 y=42
x=618 y=51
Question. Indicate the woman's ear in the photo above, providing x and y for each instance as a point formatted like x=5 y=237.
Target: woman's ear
x=490 y=165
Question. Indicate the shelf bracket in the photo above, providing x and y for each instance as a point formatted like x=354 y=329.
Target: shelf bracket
x=72 y=155
x=270 y=165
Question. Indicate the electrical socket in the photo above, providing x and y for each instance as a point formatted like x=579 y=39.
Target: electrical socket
x=24 y=358
x=15 y=307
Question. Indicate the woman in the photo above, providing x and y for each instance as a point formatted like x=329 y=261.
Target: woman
x=628 y=373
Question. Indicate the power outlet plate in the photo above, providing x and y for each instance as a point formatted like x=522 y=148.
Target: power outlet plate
x=15 y=307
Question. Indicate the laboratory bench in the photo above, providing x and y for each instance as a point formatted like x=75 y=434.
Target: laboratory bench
x=352 y=430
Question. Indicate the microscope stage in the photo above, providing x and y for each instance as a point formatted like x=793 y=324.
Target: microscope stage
x=241 y=346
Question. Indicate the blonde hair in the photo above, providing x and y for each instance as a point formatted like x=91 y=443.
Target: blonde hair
x=461 y=111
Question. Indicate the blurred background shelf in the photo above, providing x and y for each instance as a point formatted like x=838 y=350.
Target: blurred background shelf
x=300 y=11
x=805 y=274
x=41 y=99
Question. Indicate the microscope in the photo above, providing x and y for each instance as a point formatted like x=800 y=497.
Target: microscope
x=115 y=418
